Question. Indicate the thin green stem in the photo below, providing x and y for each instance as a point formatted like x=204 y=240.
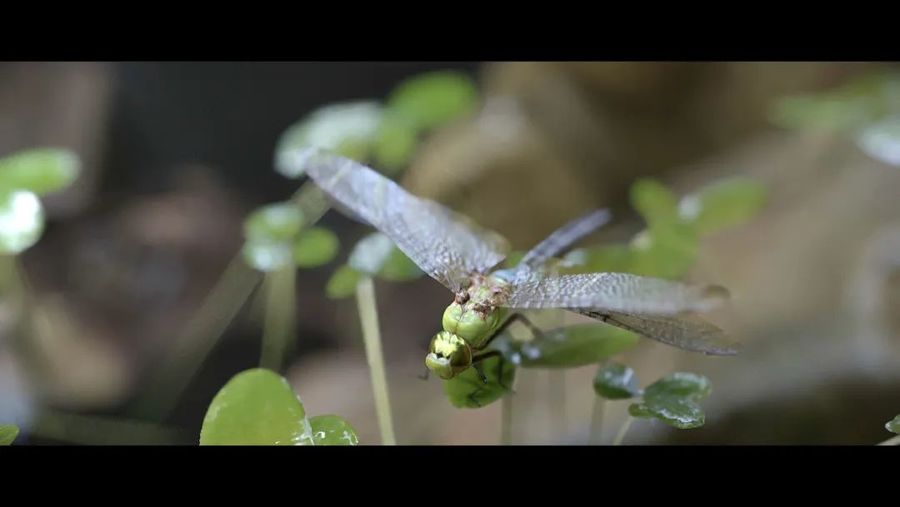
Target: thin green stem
x=368 y=315
x=891 y=441
x=597 y=420
x=623 y=430
x=198 y=339
x=506 y=419
x=280 y=317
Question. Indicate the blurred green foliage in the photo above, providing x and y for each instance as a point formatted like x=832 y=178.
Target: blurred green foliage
x=866 y=108
x=566 y=347
x=8 y=433
x=258 y=407
x=674 y=399
x=24 y=177
x=893 y=425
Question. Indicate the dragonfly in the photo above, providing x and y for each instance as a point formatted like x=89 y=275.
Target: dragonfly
x=467 y=259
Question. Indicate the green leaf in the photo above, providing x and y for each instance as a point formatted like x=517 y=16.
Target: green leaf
x=567 y=347
x=655 y=202
x=616 y=381
x=467 y=390
x=332 y=430
x=348 y=129
x=600 y=259
x=881 y=140
x=8 y=433
x=673 y=400
x=395 y=144
x=376 y=255
x=665 y=250
x=256 y=407
x=42 y=171
x=727 y=203
x=893 y=425
x=278 y=222
x=21 y=221
x=342 y=283
x=267 y=256
x=431 y=99
x=314 y=247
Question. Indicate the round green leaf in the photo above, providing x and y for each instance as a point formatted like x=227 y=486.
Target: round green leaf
x=655 y=202
x=348 y=129
x=21 y=221
x=881 y=140
x=673 y=400
x=42 y=171
x=342 y=283
x=724 y=204
x=616 y=381
x=256 y=407
x=430 y=99
x=8 y=433
x=370 y=253
x=314 y=247
x=893 y=425
x=267 y=256
x=467 y=390
x=278 y=222
x=567 y=347
x=399 y=268
x=395 y=143
x=665 y=250
x=332 y=430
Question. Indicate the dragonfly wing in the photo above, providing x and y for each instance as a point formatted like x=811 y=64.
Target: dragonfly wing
x=617 y=292
x=562 y=239
x=685 y=332
x=446 y=245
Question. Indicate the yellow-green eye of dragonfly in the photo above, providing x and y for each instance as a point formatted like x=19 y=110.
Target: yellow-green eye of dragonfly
x=464 y=257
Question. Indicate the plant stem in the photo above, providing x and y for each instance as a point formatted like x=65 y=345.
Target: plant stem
x=506 y=419
x=891 y=441
x=368 y=315
x=597 y=421
x=199 y=337
x=280 y=317
x=557 y=384
x=624 y=429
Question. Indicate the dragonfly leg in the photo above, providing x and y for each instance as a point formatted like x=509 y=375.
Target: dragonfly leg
x=480 y=371
x=481 y=357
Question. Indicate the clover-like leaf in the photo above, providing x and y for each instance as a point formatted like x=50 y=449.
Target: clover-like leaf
x=431 y=99
x=726 y=203
x=348 y=129
x=256 y=407
x=616 y=381
x=21 y=221
x=315 y=246
x=8 y=433
x=673 y=400
x=42 y=171
x=342 y=283
x=468 y=390
x=893 y=425
x=332 y=430
x=567 y=347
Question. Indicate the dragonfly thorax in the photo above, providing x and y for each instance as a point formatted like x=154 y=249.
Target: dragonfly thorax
x=475 y=312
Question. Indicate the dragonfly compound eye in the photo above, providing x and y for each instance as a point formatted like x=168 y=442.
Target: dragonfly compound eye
x=448 y=355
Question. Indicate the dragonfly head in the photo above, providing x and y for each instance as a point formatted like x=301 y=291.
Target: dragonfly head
x=448 y=355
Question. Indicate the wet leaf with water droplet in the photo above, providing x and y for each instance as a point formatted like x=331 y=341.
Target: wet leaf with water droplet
x=332 y=430
x=348 y=129
x=567 y=347
x=342 y=283
x=893 y=425
x=616 y=381
x=8 y=433
x=256 y=407
x=727 y=203
x=42 y=171
x=673 y=400
x=467 y=390
x=21 y=221
x=314 y=247
x=430 y=99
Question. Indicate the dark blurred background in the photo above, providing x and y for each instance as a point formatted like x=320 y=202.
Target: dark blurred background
x=176 y=154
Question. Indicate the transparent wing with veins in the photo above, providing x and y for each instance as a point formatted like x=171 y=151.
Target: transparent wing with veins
x=446 y=245
x=616 y=292
x=560 y=240
x=686 y=332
